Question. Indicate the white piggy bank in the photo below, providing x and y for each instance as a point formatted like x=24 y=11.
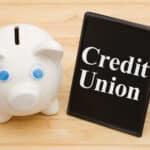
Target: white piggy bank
x=30 y=71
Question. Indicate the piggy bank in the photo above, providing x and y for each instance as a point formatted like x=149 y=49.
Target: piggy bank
x=30 y=71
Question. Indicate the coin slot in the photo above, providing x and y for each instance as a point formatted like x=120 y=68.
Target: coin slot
x=16 y=34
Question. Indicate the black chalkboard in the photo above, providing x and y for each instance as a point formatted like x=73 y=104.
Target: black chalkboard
x=111 y=79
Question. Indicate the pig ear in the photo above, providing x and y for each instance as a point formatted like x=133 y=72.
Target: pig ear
x=51 y=50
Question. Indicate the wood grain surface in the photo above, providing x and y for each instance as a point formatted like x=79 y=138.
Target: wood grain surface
x=63 y=20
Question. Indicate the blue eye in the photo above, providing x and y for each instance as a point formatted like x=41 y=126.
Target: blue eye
x=38 y=73
x=4 y=75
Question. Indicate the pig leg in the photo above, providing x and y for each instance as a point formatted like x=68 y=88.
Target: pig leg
x=52 y=108
x=4 y=118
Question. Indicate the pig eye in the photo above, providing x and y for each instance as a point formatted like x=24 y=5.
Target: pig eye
x=4 y=75
x=37 y=73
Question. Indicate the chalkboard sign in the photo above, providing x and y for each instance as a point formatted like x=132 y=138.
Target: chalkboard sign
x=111 y=78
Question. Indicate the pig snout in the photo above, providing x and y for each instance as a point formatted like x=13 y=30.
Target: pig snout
x=23 y=97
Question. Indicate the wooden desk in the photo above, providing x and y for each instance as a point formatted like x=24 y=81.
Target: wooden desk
x=63 y=19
